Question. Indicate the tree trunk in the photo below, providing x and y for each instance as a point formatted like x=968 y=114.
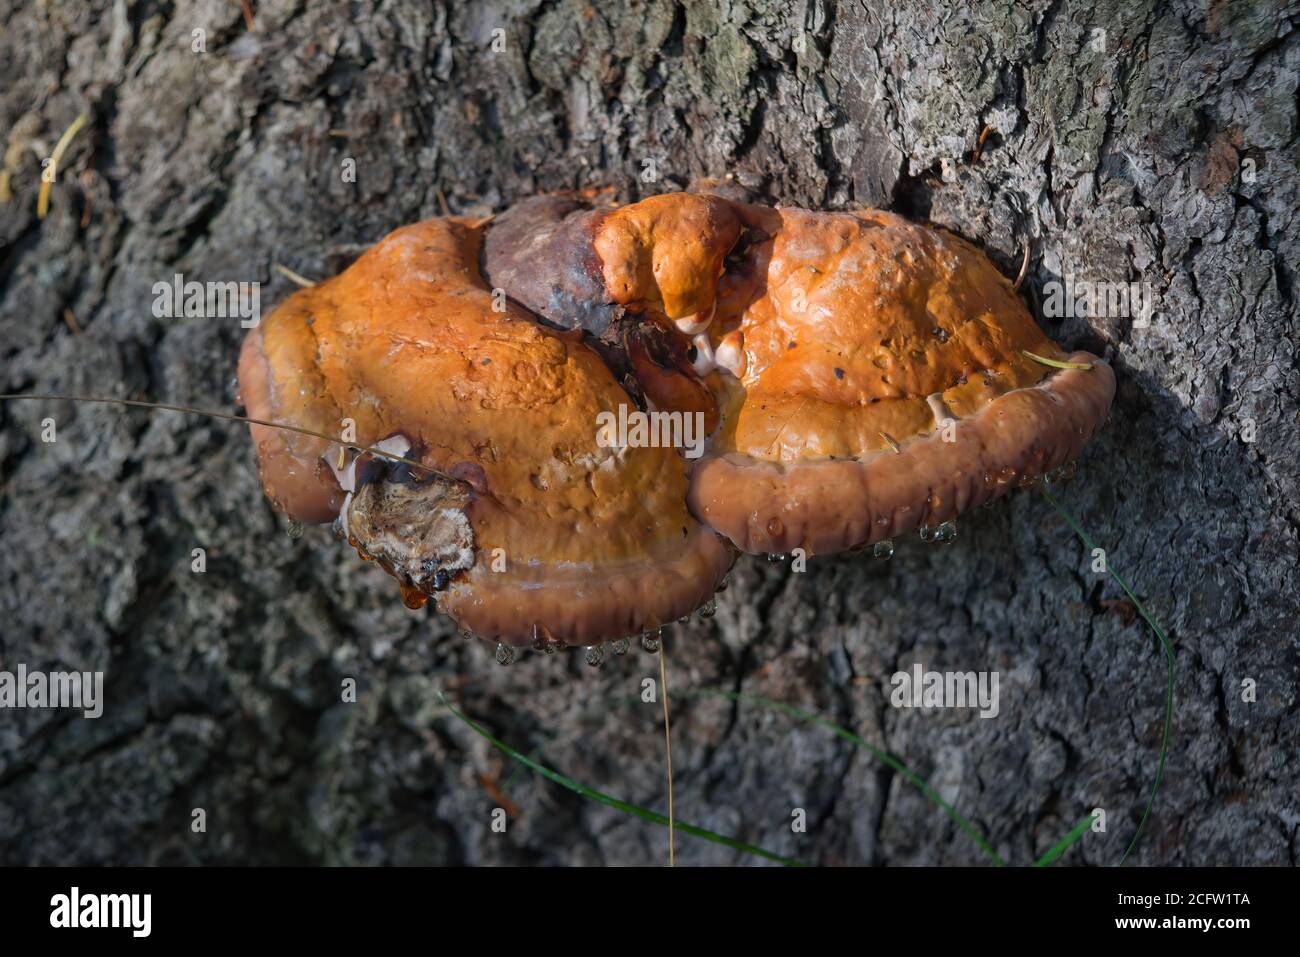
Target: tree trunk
x=1121 y=141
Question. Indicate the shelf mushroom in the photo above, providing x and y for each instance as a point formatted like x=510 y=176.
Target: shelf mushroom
x=516 y=521
x=857 y=376
x=889 y=378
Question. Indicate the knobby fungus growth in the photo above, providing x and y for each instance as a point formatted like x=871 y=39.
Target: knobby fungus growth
x=858 y=376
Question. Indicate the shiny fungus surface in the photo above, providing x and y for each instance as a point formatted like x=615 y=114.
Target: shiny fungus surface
x=855 y=376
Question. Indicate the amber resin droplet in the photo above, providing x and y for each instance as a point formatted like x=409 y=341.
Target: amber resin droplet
x=412 y=597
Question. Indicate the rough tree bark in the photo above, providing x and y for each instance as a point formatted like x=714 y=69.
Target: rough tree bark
x=1128 y=140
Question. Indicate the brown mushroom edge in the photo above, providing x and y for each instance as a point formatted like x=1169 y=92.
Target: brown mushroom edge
x=829 y=506
x=587 y=604
x=422 y=533
x=294 y=477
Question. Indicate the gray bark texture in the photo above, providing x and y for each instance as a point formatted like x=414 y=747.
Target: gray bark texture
x=1127 y=140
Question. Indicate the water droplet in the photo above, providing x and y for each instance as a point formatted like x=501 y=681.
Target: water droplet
x=596 y=655
x=926 y=532
x=709 y=608
x=294 y=529
x=940 y=333
x=621 y=646
x=650 y=641
x=505 y=654
x=884 y=550
x=441 y=579
x=946 y=533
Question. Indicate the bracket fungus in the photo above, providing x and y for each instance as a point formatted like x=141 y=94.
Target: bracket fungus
x=890 y=378
x=532 y=532
x=858 y=376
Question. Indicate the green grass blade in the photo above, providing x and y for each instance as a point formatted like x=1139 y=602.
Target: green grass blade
x=1064 y=843
x=602 y=798
x=882 y=756
x=1169 y=659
